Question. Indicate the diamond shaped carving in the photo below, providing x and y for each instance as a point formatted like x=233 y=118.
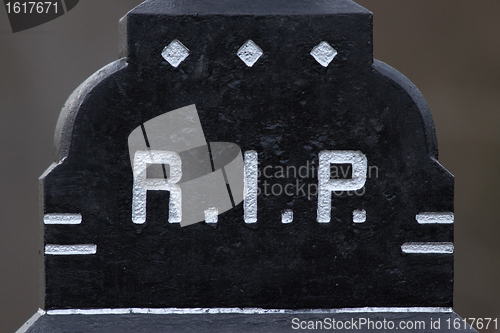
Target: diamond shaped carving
x=175 y=53
x=249 y=53
x=324 y=53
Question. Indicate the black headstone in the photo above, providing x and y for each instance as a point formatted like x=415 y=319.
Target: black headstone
x=245 y=154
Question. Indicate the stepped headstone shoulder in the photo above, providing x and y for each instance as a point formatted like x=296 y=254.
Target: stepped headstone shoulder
x=244 y=158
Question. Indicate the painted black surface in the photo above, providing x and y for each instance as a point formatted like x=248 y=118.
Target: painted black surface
x=288 y=108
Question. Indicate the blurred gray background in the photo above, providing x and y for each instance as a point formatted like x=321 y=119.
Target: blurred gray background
x=449 y=48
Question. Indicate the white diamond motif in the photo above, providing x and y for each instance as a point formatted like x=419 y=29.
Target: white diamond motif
x=324 y=53
x=249 y=53
x=175 y=53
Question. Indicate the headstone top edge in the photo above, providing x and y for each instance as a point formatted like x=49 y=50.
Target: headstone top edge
x=247 y=7
x=425 y=112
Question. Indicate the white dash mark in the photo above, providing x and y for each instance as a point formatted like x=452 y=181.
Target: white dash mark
x=211 y=215
x=428 y=248
x=66 y=250
x=287 y=216
x=62 y=218
x=359 y=216
x=435 y=218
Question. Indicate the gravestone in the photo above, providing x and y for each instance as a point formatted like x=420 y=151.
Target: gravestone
x=250 y=165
